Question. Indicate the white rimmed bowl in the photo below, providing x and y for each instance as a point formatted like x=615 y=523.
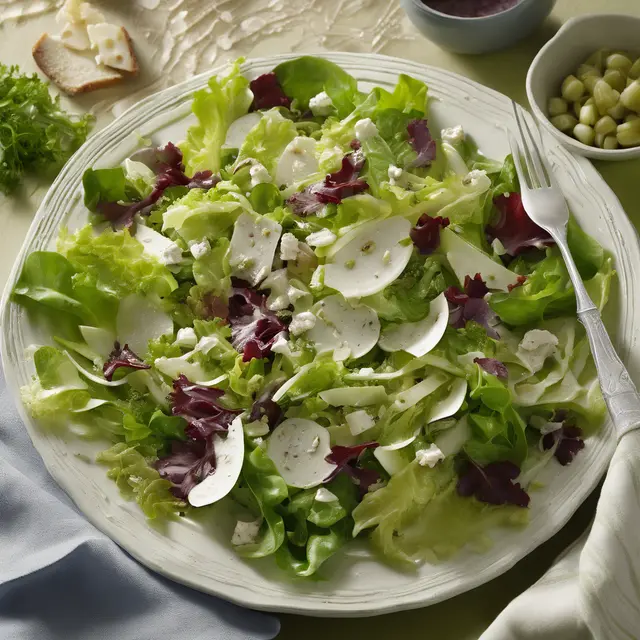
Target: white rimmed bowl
x=561 y=56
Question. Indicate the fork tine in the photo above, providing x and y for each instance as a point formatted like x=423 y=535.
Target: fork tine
x=536 y=168
x=515 y=153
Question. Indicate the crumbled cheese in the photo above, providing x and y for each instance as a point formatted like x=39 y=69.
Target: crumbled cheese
x=365 y=129
x=259 y=174
x=429 y=457
x=246 y=532
x=200 y=249
x=171 y=254
x=478 y=179
x=314 y=445
x=324 y=495
x=395 y=173
x=302 y=322
x=453 y=136
x=282 y=346
x=321 y=104
x=536 y=346
x=186 y=337
x=322 y=238
x=288 y=247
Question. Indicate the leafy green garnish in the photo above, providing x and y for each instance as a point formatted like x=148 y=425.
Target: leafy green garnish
x=36 y=135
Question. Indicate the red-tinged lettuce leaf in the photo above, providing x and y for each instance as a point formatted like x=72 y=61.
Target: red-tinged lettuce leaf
x=568 y=441
x=422 y=143
x=336 y=187
x=515 y=229
x=475 y=287
x=265 y=407
x=267 y=93
x=519 y=282
x=426 y=233
x=471 y=306
x=346 y=459
x=166 y=162
x=191 y=461
x=493 y=484
x=122 y=357
x=494 y=367
x=199 y=406
x=188 y=464
x=254 y=328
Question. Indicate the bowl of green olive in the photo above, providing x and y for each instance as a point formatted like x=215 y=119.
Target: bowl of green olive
x=584 y=86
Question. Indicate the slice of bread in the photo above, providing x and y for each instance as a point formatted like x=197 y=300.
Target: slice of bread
x=72 y=72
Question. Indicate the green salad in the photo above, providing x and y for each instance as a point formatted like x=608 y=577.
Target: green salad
x=323 y=313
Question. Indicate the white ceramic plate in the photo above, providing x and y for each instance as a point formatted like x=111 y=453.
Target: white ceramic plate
x=198 y=553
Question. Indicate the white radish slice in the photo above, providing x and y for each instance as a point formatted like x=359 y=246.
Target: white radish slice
x=418 y=338
x=341 y=324
x=253 y=247
x=229 y=457
x=298 y=161
x=392 y=461
x=374 y=256
x=298 y=449
x=467 y=260
x=410 y=397
x=100 y=341
x=92 y=376
x=354 y=396
x=139 y=321
x=452 y=440
x=451 y=403
x=238 y=129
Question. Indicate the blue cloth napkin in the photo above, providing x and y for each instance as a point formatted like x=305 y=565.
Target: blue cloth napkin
x=61 y=578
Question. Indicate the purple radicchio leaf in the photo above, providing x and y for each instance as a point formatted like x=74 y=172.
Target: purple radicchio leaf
x=493 y=484
x=267 y=93
x=122 y=357
x=470 y=305
x=567 y=440
x=254 y=329
x=426 y=233
x=265 y=407
x=493 y=367
x=422 y=143
x=336 y=187
x=346 y=460
x=166 y=162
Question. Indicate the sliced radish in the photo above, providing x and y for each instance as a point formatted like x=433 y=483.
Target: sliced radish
x=238 y=129
x=253 y=247
x=359 y=422
x=298 y=449
x=354 y=396
x=452 y=440
x=398 y=445
x=139 y=321
x=451 y=403
x=93 y=377
x=418 y=338
x=410 y=397
x=371 y=258
x=229 y=458
x=100 y=341
x=341 y=325
x=467 y=260
x=158 y=246
x=297 y=162
x=392 y=461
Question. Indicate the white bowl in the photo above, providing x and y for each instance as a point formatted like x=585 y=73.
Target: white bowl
x=561 y=56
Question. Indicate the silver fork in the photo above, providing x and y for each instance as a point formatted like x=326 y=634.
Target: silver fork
x=544 y=202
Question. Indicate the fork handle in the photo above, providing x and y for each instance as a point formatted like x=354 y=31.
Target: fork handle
x=618 y=390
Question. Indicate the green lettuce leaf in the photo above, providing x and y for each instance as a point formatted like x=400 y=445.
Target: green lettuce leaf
x=226 y=99
x=212 y=271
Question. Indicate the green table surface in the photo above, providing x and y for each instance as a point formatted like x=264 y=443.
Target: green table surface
x=378 y=25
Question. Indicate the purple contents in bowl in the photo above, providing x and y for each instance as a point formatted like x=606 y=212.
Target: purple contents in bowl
x=471 y=8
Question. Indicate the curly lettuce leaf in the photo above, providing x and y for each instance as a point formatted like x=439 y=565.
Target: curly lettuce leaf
x=225 y=99
x=212 y=271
